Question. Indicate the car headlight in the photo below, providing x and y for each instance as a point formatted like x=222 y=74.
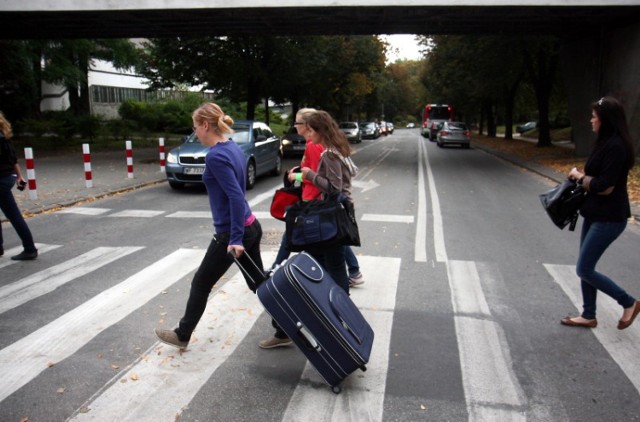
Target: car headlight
x=286 y=142
x=172 y=158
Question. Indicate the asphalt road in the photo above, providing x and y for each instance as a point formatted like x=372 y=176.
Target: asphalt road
x=466 y=281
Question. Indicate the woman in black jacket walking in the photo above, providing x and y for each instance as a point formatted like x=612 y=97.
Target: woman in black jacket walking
x=9 y=174
x=605 y=211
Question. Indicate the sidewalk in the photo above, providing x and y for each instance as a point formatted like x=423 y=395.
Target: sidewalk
x=60 y=179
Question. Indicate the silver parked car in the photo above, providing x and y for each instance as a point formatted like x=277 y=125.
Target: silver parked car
x=352 y=130
x=370 y=130
x=456 y=133
x=185 y=164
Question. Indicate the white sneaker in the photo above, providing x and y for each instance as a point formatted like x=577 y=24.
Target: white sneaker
x=356 y=280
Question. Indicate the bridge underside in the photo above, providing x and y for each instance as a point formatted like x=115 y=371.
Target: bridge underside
x=314 y=21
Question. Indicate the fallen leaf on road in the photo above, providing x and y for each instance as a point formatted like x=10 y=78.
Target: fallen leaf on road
x=134 y=377
x=60 y=390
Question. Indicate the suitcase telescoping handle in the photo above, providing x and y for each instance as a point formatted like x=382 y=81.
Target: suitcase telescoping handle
x=310 y=339
x=249 y=278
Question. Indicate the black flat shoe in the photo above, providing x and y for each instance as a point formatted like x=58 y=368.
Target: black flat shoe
x=591 y=323
x=624 y=324
x=25 y=256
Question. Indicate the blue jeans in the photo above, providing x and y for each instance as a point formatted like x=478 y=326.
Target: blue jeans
x=215 y=263
x=10 y=209
x=353 y=266
x=595 y=238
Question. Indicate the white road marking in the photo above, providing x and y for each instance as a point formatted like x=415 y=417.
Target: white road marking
x=137 y=213
x=8 y=253
x=167 y=380
x=25 y=359
x=263 y=215
x=43 y=282
x=387 y=218
x=622 y=345
x=420 y=246
x=362 y=394
x=261 y=197
x=83 y=210
x=438 y=227
x=190 y=214
x=492 y=391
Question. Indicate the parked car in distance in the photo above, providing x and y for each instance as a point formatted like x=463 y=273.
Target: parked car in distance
x=390 y=128
x=352 y=130
x=456 y=133
x=526 y=127
x=411 y=125
x=383 y=127
x=292 y=143
x=370 y=130
x=185 y=163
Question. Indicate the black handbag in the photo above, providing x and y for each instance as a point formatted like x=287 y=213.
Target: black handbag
x=563 y=202
x=322 y=222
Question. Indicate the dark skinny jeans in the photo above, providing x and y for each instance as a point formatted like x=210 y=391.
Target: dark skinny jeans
x=10 y=209
x=595 y=238
x=215 y=263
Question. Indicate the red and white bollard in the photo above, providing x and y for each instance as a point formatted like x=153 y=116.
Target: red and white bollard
x=31 y=173
x=162 y=162
x=88 y=179
x=129 y=160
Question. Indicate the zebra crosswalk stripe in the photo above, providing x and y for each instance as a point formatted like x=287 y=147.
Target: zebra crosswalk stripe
x=363 y=392
x=623 y=346
x=167 y=379
x=43 y=282
x=42 y=249
x=25 y=359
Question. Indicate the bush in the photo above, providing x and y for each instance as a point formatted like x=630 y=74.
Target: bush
x=35 y=127
x=120 y=129
x=90 y=127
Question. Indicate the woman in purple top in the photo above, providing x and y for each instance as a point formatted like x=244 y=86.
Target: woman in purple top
x=236 y=228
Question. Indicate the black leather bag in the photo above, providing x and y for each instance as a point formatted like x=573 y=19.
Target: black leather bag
x=321 y=222
x=563 y=202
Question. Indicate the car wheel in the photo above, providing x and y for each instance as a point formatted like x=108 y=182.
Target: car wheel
x=439 y=144
x=176 y=185
x=277 y=171
x=251 y=175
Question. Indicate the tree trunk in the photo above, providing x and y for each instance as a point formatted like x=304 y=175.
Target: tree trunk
x=509 y=101
x=542 y=76
x=491 y=121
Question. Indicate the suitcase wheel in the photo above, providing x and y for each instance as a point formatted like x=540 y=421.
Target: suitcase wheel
x=336 y=389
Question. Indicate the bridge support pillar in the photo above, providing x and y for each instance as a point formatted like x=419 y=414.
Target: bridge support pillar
x=606 y=63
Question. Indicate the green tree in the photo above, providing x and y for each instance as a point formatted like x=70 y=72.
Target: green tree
x=67 y=62
x=541 y=60
x=19 y=92
x=236 y=67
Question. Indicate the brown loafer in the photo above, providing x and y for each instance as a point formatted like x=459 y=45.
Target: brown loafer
x=592 y=323
x=624 y=324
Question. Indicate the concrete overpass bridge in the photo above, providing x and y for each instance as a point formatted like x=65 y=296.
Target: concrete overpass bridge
x=601 y=38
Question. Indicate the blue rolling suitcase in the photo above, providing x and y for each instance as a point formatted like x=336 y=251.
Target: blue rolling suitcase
x=319 y=317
